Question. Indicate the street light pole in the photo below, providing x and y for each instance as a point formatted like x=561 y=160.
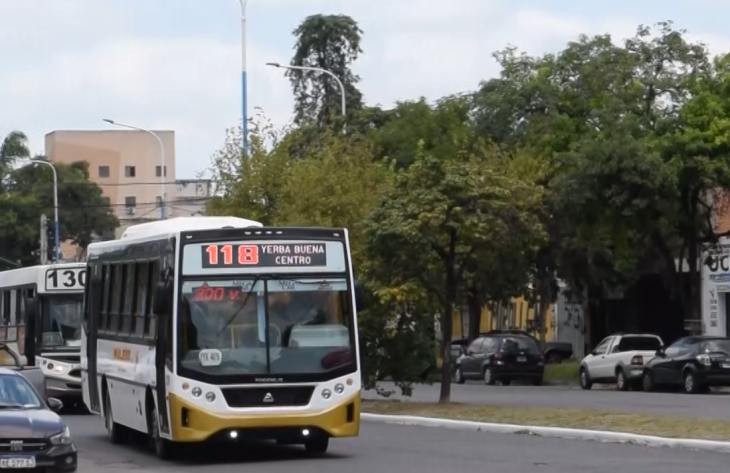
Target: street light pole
x=56 y=228
x=324 y=71
x=162 y=159
x=244 y=97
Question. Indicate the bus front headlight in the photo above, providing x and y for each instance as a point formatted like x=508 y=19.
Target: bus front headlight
x=326 y=393
x=197 y=391
x=210 y=396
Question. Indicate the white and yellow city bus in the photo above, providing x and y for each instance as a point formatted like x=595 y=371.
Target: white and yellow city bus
x=40 y=320
x=219 y=329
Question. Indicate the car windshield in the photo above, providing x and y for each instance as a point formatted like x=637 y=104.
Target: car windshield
x=61 y=324
x=639 y=343
x=717 y=346
x=516 y=343
x=16 y=392
x=231 y=327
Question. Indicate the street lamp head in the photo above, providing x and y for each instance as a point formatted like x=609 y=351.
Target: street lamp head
x=273 y=64
x=108 y=120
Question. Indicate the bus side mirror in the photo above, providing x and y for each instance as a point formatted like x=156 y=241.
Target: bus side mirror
x=163 y=297
x=29 y=308
x=359 y=296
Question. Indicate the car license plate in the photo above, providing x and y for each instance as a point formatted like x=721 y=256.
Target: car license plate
x=726 y=365
x=521 y=359
x=17 y=462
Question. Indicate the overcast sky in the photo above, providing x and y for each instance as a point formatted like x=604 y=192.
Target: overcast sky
x=175 y=64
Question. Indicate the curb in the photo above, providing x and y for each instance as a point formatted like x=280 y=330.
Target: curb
x=554 y=432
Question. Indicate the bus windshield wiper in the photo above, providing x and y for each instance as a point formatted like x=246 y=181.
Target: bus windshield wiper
x=241 y=307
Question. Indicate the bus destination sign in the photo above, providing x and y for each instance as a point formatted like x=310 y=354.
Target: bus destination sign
x=239 y=255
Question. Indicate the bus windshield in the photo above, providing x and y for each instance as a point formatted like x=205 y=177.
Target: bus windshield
x=61 y=322
x=277 y=326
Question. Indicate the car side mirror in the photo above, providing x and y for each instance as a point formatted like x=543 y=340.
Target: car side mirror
x=470 y=352
x=660 y=352
x=55 y=404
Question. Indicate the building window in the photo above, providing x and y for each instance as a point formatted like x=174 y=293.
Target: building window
x=157 y=171
x=158 y=199
x=130 y=171
x=130 y=201
x=103 y=171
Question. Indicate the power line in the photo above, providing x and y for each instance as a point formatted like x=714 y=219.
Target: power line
x=196 y=200
x=126 y=184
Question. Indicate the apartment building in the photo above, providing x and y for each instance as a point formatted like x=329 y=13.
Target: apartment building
x=192 y=197
x=126 y=165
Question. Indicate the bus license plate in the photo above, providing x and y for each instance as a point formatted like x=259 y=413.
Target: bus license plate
x=17 y=462
x=521 y=359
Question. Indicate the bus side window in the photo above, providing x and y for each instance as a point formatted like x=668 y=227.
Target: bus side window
x=3 y=321
x=150 y=327
x=128 y=299
x=103 y=317
x=141 y=302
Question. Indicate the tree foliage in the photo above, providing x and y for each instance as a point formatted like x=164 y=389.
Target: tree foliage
x=443 y=219
x=595 y=164
x=330 y=42
x=28 y=192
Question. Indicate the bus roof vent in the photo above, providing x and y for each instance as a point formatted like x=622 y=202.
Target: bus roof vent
x=181 y=224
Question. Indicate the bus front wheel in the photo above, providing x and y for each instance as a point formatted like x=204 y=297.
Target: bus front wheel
x=317 y=445
x=163 y=448
x=114 y=431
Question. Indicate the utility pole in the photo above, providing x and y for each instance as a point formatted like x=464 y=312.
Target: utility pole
x=44 y=239
x=244 y=92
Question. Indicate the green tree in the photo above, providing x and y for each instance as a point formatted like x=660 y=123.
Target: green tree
x=14 y=145
x=330 y=42
x=440 y=220
x=83 y=212
x=250 y=186
x=339 y=185
x=602 y=115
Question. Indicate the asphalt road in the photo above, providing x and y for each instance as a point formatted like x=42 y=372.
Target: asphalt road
x=387 y=448
x=712 y=405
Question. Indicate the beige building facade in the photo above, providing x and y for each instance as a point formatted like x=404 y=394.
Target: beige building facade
x=126 y=165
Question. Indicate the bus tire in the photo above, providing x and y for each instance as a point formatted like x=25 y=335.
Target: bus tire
x=115 y=432
x=162 y=447
x=317 y=445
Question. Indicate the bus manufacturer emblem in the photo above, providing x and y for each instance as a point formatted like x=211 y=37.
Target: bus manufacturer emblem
x=16 y=445
x=269 y=398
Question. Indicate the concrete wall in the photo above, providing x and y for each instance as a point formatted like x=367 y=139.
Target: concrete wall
x=118 y=149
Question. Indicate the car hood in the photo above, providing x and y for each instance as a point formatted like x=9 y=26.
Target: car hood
x=29 y=423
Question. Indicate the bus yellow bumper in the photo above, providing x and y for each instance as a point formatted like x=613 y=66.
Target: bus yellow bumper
x=191 y=423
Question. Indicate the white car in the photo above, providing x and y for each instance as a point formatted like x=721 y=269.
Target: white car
x=619 y=359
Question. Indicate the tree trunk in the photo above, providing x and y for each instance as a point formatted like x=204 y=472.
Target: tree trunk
x=587 y=324
x=446 y=317
x=475 y=315
x=695 y=311
x=544 y=304
x=692 y=239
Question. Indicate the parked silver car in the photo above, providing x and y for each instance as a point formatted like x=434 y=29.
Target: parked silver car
x=619 y=359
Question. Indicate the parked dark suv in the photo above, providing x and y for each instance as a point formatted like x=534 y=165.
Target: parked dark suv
x=501 y=357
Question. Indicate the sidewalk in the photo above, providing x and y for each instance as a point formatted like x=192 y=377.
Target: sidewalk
x=566 y=433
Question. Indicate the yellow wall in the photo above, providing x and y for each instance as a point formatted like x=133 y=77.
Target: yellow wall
x=517 y=314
